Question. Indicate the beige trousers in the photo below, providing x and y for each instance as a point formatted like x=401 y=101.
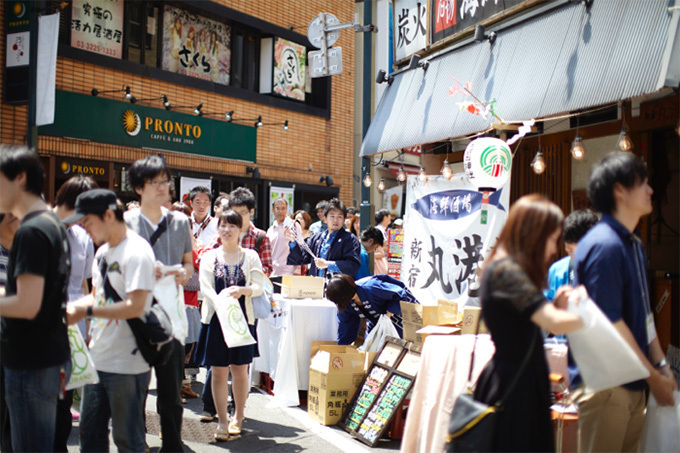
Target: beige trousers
x=610 y=420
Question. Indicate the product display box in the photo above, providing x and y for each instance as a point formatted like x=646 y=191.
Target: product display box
x=302 y=287
x=470 y=318
x=335 y=373
x=416 y=316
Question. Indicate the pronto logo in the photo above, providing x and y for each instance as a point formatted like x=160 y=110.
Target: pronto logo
x=67 y=168
x=131 y=123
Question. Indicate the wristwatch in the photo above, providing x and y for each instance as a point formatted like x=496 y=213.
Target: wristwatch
x=661 y=364
x=89 y=312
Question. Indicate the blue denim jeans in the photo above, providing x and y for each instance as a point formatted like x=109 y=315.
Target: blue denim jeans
x=119 y=398
x=31 y=397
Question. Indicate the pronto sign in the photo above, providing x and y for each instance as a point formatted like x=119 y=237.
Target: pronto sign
x=121 y=123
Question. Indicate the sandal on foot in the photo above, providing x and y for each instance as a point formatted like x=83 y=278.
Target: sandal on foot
x=221 y=435
x=235 y=427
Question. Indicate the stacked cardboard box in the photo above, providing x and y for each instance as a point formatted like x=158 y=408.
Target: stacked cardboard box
x=416 y=316
x=335 y=373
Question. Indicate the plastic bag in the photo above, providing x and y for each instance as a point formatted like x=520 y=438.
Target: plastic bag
x=556 y=353
x=603 y=357
x=376 y=337
x=233 y=322
x=83 y=371
x=662 y=427
x=168 y=294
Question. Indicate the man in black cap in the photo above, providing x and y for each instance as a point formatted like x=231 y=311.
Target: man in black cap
x=122 y=281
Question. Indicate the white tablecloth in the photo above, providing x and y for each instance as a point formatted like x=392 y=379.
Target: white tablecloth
x=443 y=375
x=285 y=343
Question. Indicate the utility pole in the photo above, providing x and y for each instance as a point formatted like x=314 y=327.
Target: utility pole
x=366 y=208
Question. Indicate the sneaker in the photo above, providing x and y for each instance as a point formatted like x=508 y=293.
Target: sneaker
x=207 y=417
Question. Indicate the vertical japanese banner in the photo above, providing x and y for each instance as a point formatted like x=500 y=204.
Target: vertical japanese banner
x=276 y=192
x=196 y=46
x=410 y=23
x=289 y=69
x=97 y=26
x=186 y=184
x=393 y=199
x=449 y=228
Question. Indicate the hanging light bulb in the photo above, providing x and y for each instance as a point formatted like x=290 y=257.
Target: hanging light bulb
x=538 y=164
x=422 y=176
x=381 y=184
x=446 y=170
x=368 y=181
x=624 y=143
x=578 y=152
x=401 y=176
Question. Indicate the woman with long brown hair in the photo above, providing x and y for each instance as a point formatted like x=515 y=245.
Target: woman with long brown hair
x=515 y=310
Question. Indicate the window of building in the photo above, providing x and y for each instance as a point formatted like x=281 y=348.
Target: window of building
x=245 y=59
x=141 y=32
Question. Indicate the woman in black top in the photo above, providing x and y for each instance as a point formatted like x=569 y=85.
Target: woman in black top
x=515 y=310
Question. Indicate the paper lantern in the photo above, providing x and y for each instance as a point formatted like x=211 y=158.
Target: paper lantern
x=487 y=162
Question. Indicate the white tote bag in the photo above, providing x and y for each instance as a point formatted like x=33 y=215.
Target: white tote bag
x=603 y=357
x=233 y=323
x=376 y=337
x=662 y=427
x=171 y=298
x=83 y=371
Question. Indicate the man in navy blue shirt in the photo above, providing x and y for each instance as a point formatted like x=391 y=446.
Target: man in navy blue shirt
x=610 y=262
x=335 y=250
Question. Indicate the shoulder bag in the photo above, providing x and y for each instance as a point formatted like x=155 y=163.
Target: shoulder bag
x=472 y=427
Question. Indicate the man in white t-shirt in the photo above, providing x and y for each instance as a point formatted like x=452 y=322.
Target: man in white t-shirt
x=122 y=279
x=203 y=225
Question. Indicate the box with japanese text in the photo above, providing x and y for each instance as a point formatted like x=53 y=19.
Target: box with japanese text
x=302 y=287
x=471 y=316
x=335 y=373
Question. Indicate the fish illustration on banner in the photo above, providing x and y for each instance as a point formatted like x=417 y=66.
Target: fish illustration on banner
x=450 y=227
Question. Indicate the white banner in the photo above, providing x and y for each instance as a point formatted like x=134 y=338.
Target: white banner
x=449 y=228
x=276 y=192
x=393 y=199
x=186 y=184
x=48 y=39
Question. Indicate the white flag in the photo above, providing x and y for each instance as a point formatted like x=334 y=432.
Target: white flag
x=48 y=40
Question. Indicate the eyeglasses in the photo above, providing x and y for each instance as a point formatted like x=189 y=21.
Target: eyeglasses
x=159 y=183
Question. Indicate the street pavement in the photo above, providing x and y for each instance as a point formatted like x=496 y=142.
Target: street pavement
x=266 y=429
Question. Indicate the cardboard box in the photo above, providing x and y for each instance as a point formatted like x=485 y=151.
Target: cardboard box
x=335 y=373
x=470 y=317
x=416 y=316
x=437 y=330
x=302 y=287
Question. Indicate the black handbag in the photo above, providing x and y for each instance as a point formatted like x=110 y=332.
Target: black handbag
x=472 y=427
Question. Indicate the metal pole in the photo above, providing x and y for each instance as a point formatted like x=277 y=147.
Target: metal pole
x=366 y=208
x=32 y=130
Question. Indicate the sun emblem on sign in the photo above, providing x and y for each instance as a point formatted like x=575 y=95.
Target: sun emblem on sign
x=131 y=123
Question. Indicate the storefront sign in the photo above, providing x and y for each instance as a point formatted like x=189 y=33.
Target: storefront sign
x=410 y=24
x=97 y=26
x=393 y=199
x=69 y=167
x=448 y=17
x=17 y=17
x=196 y=46
x=289 y=69
x=446 y=237
x=120 y=123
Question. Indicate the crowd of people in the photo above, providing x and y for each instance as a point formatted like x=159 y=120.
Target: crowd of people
x=92 y=262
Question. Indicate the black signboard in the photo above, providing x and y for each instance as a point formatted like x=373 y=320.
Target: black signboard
x=448 y=17
x=18 y=15
x=382 y=391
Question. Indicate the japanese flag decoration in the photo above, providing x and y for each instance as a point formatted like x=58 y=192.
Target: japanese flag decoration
x=449 y=229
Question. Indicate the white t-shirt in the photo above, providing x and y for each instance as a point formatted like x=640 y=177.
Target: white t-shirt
x=130 y=267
